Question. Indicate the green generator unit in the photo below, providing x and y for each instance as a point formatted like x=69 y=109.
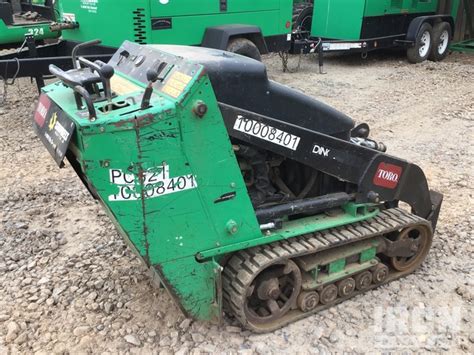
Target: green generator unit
x=26 y=18
x=243 y=26
x=366 y=25
x=246 y=27
x=242 y=195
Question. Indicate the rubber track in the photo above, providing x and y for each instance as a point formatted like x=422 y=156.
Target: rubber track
x=245 y=265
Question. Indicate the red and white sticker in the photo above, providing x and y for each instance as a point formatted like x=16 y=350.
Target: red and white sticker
x=42 y=109
x=387 y=175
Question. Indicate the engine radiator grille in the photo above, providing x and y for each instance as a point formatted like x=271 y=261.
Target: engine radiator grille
x=139 y=27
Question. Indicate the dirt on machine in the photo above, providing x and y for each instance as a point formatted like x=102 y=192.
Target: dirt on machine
x=240 y=194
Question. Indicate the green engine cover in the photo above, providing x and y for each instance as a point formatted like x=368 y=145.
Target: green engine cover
x=343 y=19
x=337 y=19
x=169 y=22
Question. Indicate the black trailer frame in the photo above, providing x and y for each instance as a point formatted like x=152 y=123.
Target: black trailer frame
x=303 y=43
x=34 y=61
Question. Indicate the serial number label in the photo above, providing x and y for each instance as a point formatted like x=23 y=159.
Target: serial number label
x=266 y=132
x=156 y=182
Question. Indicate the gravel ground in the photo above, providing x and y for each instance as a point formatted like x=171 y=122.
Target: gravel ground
x=68 y=284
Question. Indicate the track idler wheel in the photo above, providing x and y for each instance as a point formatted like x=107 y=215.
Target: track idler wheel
x=307 y=301
x=380 y=273
x=421 y=237
x=273 y=292
x=346 y=287
x=363 y=280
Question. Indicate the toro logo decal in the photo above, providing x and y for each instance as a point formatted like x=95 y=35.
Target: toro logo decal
x=42 y=110
x=387 y=175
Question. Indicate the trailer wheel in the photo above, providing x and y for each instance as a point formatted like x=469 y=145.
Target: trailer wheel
x=421 y=50
x=245 y=47
x=441 y=39
x=302 y=19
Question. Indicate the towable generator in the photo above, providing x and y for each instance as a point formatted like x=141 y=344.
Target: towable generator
x=423 y=27
x=246 y=27
x=241 y=194
x=19 y=18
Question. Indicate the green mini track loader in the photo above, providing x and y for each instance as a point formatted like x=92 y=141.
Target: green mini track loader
x=20 y=18
x=241 y=194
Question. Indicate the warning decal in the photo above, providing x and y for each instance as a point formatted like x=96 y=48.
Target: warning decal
x=176 y=84
x=122 y=86
x=54 y=128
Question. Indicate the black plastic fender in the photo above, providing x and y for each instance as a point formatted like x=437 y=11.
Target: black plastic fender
x=416 y=23
x=218 y=37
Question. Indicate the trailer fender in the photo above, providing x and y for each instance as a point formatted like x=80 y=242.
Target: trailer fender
x=416 y=23
x=218 y=37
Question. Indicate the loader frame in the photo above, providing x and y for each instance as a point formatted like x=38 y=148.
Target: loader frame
x=144 y=153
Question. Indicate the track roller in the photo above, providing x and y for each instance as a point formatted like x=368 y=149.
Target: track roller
x=380 y=273
x=363 y=280
x=268 y=286
x=328 y=294
x=307 y=301
x=346 y=287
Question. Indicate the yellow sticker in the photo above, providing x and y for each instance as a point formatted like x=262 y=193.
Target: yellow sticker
x=176 y=84
x=52 y=122
x=122 y=86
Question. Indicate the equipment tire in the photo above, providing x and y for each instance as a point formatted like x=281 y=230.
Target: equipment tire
x=422 y=47
x=302 y=19
x=441 y=40
x=245 y=47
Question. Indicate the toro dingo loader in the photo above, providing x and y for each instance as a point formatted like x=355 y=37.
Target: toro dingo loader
x=242 y=195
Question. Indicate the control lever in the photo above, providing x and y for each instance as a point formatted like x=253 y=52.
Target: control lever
x=105 y=72
x=80 y=46
x=65 y=77
x=79 y=91
x=151 y=76
x=159 y=71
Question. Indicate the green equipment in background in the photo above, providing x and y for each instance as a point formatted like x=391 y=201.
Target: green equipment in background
x=247 y=27
x=26 y=18
x=243 y=26
x=465 y=35
x=366 y=25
